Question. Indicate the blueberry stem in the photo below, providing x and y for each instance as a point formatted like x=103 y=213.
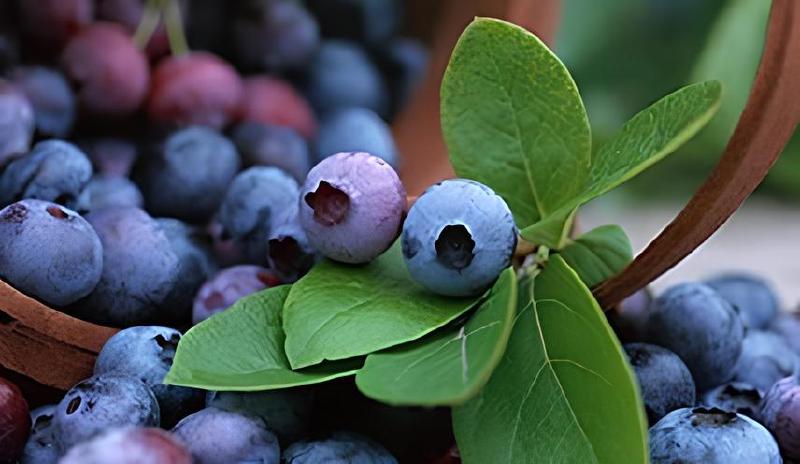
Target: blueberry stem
x=147 y=24
x=174 y=24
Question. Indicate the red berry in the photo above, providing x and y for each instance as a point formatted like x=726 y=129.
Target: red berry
x=111 y=73
x=50 y=23
x=273 y=101
x=129 y=13
x=196 y=88
x=15 y=421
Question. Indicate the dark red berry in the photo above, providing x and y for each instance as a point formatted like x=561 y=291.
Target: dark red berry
x=15 y=421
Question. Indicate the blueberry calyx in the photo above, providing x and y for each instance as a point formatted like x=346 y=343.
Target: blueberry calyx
x=15 y=213
x=712 y=417
x=56 y=212
x=73 y=405
x=330 y=204
x=454 y=247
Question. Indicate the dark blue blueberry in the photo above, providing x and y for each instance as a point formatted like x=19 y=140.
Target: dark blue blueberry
x=787 y=325
x=403 y=62
x=371 y=21
x=255 y=197
x=49 y=252
x=780 y=413
x=629 y=318
x=54 y=171
x=108 y=192
x=765 y=359
x=664 y=379
x=139 y=271
x=736 y=397
x=214 y=436
x=269 y=145
x=187 y=176
x=753 y=297
x=286 y=412
x=51 y=97
x=343 y=76
x=16 y=122
x=102 y=402
x=290 y=254
x=41 y=447
x=110 y=156
x=192 y=247
x=356 y=129
x=341 y=447
x=274 y=35
x=146 y=353
x=710 y=436
x=702 y=328
x=351 y=207
x=458 y=237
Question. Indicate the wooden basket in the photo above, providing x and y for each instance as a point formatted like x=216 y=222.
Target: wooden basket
x=53 y=349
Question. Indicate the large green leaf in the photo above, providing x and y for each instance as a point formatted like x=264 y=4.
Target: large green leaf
x=339 y=311
x=447 y=367
x=242 y=349
x=598 y=254
x=513 y=119
x=563 y=392
x=648 y=137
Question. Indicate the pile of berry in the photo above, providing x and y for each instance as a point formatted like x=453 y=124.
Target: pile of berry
x=719 y=370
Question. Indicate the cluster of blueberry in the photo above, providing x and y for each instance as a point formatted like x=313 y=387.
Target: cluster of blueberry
x=718 y=364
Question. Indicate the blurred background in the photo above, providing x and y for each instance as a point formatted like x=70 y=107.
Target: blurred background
x=626 y=54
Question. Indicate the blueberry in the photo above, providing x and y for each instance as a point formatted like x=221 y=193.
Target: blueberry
x=403 y=62
x=227 y=250
x=702 y=328
x=194 y=88
x=255 y=197
x=286 y=412
x=787 y=325
x=273 y=101
x=102 y=402
x=458 y=236
x=341 y=447
x=195 y=265
x=110 y=71
x=710 y=436
x=370 y=21
x=753 y=297
x=146 y=353
x=274 y=35
x=214 y=436
x=49 y=252
x=110 y=156
x=664 y=379
x=736 y=397
x=290 y=254
x=356 y=129
x=51 y=97
x=351 y=207
x=780 y=413
x=343 y=76
x=268 y=145
x=188 y=174
x=139 y=272
x=16 y=122
x=105 y=191
x=41 y=447
x=765 y=359
x=629 y=318
x=15 y=421
x=54 y=171
x=227 y=287
x=129 y=445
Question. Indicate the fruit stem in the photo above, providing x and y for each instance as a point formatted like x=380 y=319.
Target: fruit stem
x=147 y=24
x=174 y=24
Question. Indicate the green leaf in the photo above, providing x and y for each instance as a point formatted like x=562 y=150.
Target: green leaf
x=513 y=119
x=598 y=254
x=731 y=55
x=563 y=392
x=447 y=367
x=648 y=137
x=339 y=311
x=241 y=349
